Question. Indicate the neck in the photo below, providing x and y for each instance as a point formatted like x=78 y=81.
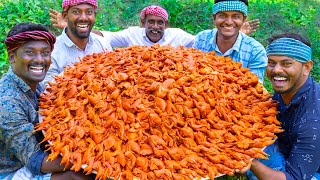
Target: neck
x=225 y=43
x=80 y=42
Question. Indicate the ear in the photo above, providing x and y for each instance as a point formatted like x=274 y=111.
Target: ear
x=244 y=18
x=64 y=15
x=11 y=57
x=143 y=22
x=213 y=19
x=307 y=67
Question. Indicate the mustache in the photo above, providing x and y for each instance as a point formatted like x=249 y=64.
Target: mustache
x=157 y=30
x=38 y=64
x=279 y=75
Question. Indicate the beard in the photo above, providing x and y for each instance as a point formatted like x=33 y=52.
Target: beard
x=81 y=35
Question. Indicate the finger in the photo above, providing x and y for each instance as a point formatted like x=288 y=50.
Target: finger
x=52 y=16
x=53 y=21
x=54 y=11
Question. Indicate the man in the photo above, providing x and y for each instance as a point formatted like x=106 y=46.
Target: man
x=227 y=40
x=76 y=40
x=29 y=49
x=154 y=21
x=289 y=66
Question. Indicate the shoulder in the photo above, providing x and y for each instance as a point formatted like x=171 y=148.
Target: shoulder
x=249 y=41
x=207 y=32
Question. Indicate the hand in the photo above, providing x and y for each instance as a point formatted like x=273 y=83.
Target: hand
x=250 y=26
x=245 y=169
x=56 y=19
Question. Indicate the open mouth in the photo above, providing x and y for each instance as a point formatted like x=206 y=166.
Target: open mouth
x=37 y=70
x=83 y=27
x=279 y=81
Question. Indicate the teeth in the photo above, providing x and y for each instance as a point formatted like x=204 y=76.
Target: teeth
x=36 y=67
x=82 y=25
x=155 y=32
x=280 y=78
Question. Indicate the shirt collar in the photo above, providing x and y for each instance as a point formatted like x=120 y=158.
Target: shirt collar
x=21 y=84
x=68 y=41
x=235 y=47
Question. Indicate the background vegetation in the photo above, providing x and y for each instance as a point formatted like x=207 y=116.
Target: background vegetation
x=276 y=16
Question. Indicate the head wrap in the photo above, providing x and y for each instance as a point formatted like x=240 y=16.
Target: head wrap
x=290 y=47
x=154 y=10
x=67 y=3
x=230 y=6
x=15 y=41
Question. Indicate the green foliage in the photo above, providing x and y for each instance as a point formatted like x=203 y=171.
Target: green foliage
x=276 y=16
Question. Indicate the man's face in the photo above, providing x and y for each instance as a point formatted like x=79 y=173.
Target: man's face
x=286 y=74
x=80 y=19
x=155 y=27
x=229 y=23
x=31 y=61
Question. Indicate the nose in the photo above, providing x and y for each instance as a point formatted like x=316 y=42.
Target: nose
x=229 y=20
x=277 y=68
x=156 y=25
x=83 y=15
x=38 y=58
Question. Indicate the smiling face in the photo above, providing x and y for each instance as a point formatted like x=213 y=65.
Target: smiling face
x=229 y=23
x=155 y=26
x=287 y=75
x=80 y=19
x=31 y=62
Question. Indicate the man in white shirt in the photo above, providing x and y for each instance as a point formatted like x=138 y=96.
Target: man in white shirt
x=154 y=21
x=76 y=39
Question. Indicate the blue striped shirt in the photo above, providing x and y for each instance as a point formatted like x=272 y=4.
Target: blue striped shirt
x=246 y=50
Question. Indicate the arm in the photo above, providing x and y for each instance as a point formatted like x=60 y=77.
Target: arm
x=302 y=162
x=258 y=61
x=264 y=173
x=187 y=40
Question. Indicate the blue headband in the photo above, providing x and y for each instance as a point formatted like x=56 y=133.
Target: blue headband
x=291 y=48
x=230 y=6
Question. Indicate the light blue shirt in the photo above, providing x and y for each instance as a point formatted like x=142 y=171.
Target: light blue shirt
x=65 y=53
x=137 y=36
x=246 y=50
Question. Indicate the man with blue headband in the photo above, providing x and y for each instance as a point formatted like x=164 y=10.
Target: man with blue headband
x=289 y=66
x=227 y=40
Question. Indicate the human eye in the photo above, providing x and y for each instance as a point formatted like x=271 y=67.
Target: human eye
x=271 y=63
x=237 y=16
x=29 y=53
x=75 y=11
x=160 y=22
x=46 y=53
x=151 y=21
x=90 y=12
x=286 y=63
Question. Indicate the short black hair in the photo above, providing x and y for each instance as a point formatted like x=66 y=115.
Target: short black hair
x=290 y=35
x=245 y=1
x=26 y=26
